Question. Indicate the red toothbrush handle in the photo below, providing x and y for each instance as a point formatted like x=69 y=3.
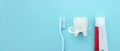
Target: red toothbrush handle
x=96 y=42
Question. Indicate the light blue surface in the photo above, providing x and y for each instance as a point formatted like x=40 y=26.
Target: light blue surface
x=32 y=25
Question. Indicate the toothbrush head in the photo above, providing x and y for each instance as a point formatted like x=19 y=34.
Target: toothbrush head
x=62 y=23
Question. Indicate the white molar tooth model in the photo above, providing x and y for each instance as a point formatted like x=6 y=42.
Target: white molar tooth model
x=80 y=24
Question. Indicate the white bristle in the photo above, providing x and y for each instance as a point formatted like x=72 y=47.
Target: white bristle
x=62 y=22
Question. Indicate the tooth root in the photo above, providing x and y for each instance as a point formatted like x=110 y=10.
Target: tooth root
x=85 y=33
x=76 y=34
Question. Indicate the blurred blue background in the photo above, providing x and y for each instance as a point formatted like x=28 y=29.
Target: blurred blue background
x=32 y=25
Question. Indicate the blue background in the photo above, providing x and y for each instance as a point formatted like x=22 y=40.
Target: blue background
x=32 y=25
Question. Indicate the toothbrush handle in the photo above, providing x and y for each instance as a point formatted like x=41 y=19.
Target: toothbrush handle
x=96 y=42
